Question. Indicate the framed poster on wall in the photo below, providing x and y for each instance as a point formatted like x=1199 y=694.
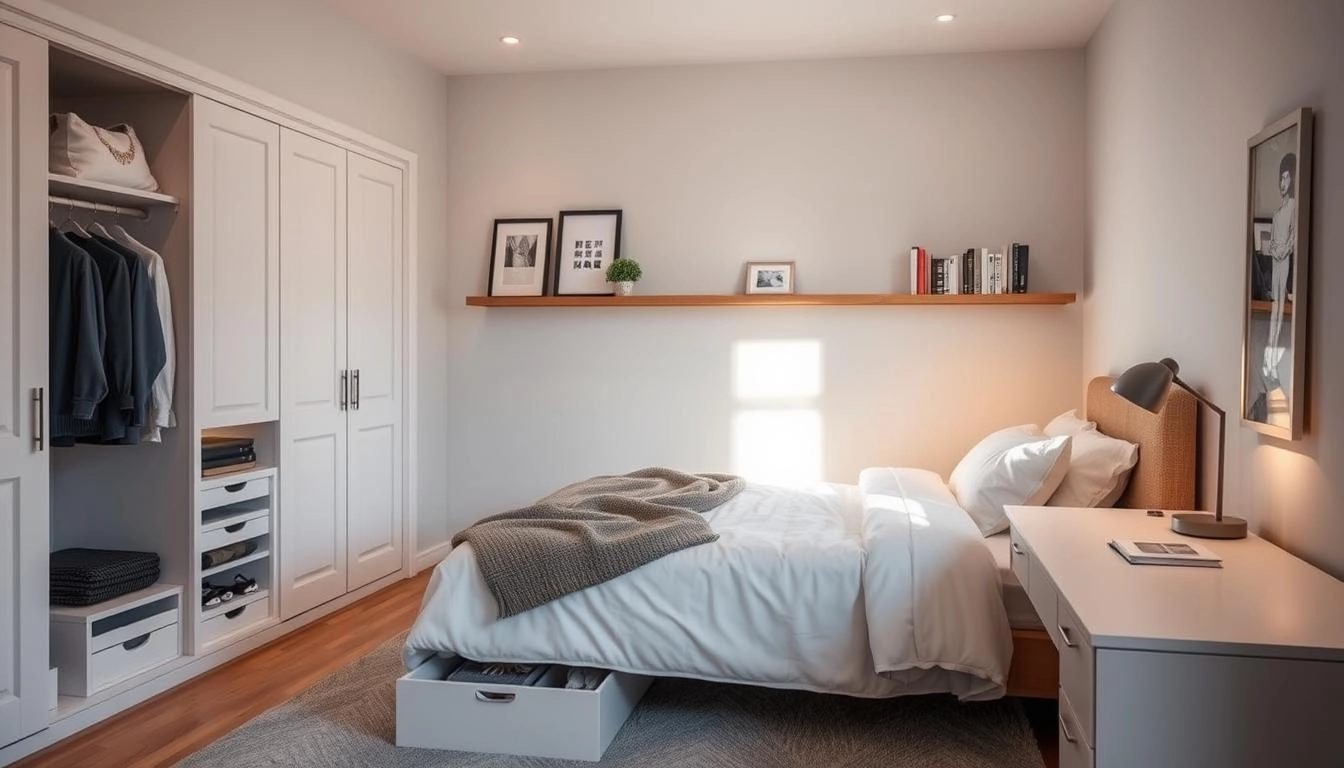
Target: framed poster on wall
x=587 y=243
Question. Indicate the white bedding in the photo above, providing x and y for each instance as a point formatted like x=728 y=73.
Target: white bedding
x=880 y=589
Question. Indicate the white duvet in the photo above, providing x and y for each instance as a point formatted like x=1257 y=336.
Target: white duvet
x=880 y=589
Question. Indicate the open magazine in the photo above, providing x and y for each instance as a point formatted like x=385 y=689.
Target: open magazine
x=1166 y=553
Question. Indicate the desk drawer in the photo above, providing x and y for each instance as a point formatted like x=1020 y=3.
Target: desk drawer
x=1074 y=751
x=1076 y=668
x=1044 y=598
x=542 y=720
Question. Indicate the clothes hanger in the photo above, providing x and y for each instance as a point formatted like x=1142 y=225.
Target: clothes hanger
x=74 y=225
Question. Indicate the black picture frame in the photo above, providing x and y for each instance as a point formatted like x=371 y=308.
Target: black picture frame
x=600 y=231
x=526 y=239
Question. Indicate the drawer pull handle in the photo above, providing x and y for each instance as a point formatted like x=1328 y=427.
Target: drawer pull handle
x=1064 y=633
x=490 y=697
x=136 y=642
x=235 y=487
x=236 y=612
x=1064 y=729
x=236 y=527
x=1017 y=548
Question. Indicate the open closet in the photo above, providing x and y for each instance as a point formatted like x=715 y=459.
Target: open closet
x=258 y=474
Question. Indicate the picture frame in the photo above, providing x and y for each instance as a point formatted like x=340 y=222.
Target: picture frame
x=769 y=277
x=587 y=243
x=1276 y=269
x=520 y=252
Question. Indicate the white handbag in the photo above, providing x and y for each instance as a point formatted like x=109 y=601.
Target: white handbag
x=108 y=155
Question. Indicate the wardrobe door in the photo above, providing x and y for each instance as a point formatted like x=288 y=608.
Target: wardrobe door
x=312 y=366
x=374 y=326
x=236 y=269
x=24 y=474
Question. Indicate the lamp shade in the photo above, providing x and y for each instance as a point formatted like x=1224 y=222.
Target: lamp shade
x=1147 y=384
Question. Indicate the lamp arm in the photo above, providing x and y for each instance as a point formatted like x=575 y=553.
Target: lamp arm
x=1222 y=441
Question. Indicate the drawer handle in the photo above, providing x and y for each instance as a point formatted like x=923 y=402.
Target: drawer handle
x=236 y=527
x=1017 y=548
x=490 y=697
x=236 y=612
x=136 y=642
x=235 y=487
x=1064 y=729
x=1064 y=633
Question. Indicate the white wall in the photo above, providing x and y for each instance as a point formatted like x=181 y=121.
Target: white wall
x=303 y=51
x=839 y=166
x=1175 y=90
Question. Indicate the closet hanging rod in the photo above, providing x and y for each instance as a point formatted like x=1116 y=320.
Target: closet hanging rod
x=119 y=210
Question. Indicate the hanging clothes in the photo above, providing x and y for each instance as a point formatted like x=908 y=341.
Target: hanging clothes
x=160 y=415
x=146 y=341
x=77 y=335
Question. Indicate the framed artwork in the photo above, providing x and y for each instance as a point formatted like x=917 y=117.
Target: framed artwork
x=1278 y=232
x=587 y=244
x=519 y=252
x=770 y=277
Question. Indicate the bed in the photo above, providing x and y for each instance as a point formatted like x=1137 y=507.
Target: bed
x=877 y=589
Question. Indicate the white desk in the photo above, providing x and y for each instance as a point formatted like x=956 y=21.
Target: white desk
x=1180 y=666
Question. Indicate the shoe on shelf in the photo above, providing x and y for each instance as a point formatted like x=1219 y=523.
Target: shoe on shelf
x=243 y=585
x=212 y=595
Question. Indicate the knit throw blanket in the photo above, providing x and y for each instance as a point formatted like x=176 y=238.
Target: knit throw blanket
x=592 y=531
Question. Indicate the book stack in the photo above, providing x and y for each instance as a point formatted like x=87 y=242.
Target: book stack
x=980 y=271
x=221 y=455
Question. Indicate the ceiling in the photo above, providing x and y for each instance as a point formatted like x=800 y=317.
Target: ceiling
x=462 y=36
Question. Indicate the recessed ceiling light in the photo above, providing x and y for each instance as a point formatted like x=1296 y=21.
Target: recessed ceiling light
x=509 y=40
x=944 y=18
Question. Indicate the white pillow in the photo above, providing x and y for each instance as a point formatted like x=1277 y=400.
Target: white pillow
x=1098 y=471
x=1017 y=465
x=1068 y=423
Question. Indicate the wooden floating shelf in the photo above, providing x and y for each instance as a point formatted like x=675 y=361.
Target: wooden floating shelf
x=775 y=300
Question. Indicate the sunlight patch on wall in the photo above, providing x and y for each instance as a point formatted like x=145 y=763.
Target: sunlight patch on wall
x=777 y=431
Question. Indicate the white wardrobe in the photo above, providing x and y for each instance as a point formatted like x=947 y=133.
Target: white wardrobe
x=285 y=243
x=341 y=371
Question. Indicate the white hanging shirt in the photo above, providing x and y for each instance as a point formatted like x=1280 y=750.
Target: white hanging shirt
x=161 y=394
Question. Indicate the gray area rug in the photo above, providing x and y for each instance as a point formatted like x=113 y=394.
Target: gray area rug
x=347 y=720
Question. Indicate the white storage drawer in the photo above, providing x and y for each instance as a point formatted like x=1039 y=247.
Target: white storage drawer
x=543 y=720
x=232 y=493
x=239 y=531
x=1045 y=599
x=234 y=619
x=1019 y=554
x=133 y=656
x=95 y=646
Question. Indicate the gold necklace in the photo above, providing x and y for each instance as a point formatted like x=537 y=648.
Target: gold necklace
x=122 y=157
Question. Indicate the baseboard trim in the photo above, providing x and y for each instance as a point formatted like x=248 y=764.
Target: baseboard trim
x=174 y=676
x=431 y=557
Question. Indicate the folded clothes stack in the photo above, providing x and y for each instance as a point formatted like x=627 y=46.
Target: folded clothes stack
x=89 y=576
x=220 y=455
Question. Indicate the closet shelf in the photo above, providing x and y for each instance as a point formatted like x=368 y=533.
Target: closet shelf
x=260 y=554
x=241 y=476
x=774 y=300
x=235 y=604
x=106 y=194
x=83 y=613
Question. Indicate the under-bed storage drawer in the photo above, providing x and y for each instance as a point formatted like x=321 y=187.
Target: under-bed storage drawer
x=542 y=720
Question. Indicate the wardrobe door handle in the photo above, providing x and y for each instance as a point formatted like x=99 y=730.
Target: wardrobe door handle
x=39 y=419
x=354 y=379
x=345 y=390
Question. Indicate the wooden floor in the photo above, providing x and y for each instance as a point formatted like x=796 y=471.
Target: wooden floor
x=166 y=729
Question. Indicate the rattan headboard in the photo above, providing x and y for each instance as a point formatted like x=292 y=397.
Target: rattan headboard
x=1165 y=475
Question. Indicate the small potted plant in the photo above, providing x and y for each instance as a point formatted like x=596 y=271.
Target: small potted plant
x=624 y=273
